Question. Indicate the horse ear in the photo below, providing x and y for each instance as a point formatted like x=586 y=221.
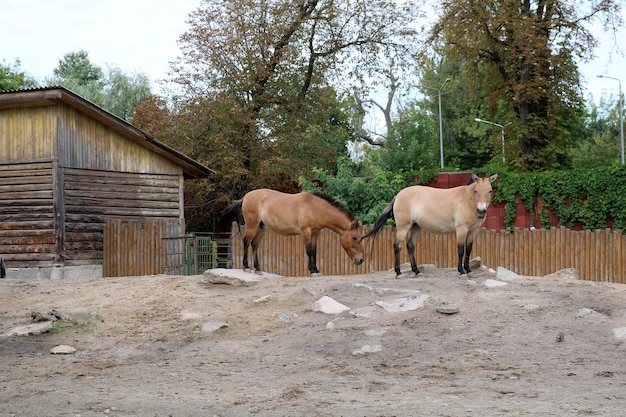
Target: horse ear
x=493 y=177
x=474 y=177
x=357 y=224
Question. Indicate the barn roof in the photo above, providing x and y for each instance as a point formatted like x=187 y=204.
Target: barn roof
x=50 y=95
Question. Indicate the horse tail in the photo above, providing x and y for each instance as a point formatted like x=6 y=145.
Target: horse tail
x=231 y=213
x=382 y=220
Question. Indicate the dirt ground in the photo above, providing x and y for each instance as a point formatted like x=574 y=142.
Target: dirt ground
x=534 y=347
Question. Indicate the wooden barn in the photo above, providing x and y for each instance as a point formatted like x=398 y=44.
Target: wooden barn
x=67 y=167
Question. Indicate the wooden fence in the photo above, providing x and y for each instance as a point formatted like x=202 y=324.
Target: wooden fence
x=136 y=248
x=598 y=256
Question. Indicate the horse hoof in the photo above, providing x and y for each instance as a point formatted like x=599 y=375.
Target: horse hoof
x=247 y=270
x=316 y=274
x=258 y=272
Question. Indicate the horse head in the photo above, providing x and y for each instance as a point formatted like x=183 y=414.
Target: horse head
x=351 y=242
x=482 y=193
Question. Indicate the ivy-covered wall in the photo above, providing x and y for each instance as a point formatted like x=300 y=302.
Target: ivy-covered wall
x=588 y=199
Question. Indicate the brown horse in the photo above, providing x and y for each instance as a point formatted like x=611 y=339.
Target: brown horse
x=303 y=214
x=459 y=209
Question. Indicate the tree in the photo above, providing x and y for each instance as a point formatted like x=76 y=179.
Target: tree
x=13 y=78
x=598 y=144
x=111 y=89
x=264 y=77
x=523 y=55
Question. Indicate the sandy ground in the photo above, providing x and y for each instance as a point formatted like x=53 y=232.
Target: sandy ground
x=534 y=347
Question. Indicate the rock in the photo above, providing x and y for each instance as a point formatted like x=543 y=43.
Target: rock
x=62 y=350
x=475 y=263
x=620 y=332
x=367 y=349
x=263 y=299
x=506 y=275
x=234 y=277
x=491 y=283
x=364 y=312
x=213 y=326
x=447 y=309
x=329 y=306
x=30 y=329
x=358 y=287
x=403 y=304
x=564 y=274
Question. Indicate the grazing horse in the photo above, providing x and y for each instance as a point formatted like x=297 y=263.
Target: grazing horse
x=460 y=209
x=303 y=214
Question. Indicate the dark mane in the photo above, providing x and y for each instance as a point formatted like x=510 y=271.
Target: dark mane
x=335 y=204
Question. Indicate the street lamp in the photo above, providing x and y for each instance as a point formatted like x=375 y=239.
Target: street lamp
x=500 y=126
x=621 y=119
x=438 y=90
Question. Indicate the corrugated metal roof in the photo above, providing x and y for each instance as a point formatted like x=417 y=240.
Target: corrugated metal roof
x=48 y=95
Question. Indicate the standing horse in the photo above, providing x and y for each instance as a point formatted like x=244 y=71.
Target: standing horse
x=303 y=214
x=460 y=209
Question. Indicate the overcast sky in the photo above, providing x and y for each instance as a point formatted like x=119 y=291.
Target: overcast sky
x=141 y=36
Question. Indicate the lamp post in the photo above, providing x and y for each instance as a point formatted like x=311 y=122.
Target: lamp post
x=438 y=90
x=621 y=118
x=501 y=127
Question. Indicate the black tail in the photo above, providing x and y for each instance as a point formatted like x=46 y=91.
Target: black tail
x=382 y=220
x=3 y=271
x=231 y=213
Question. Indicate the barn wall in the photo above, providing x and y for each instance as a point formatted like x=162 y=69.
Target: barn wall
x=28 y=133
x=27 y=217
x=94 y=197
x=86 y=143
x=63 y=175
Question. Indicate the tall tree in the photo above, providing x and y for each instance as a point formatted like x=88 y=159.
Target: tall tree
x=111 y=89
x=273 y=66
x=523 y=54
x=13 y=78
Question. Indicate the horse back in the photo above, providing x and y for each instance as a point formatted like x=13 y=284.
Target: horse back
x=278 y=211
x=435 y=209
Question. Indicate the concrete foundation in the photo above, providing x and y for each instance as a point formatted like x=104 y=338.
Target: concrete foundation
x=56 y=272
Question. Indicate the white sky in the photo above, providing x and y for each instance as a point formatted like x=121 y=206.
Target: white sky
x=141 y=36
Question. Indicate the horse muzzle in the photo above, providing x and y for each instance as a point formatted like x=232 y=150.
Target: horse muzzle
x=357 y=260
x=481 y=213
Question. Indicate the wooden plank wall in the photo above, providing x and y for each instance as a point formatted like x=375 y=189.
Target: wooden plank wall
x=94 y=197
x=598 y=256
x=27 y=213
x=136 y=248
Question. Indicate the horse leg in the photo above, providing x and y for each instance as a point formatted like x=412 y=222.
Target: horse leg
x=461 y=246
x=256 y=241
x=410 y=247
x=401 y=234
x=468 y=251
x=311 y=251
x=246 y=245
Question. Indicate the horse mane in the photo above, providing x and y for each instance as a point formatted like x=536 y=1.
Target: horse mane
x=335 y=204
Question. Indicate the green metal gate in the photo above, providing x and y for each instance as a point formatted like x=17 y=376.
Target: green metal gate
x=195 y=253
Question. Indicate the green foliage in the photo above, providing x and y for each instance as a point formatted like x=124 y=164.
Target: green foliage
x=110 y=89
x=587 y=197
x=365 y=192
x=13 y=78
x=412 y=145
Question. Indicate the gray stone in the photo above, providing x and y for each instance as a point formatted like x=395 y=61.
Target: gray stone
x=329 y=306
x=367 y=349
x=492 y=283
x=403 y=304
x=213 y=326
x=62 y=350
x=506 y=275
x=30 y=329
x=234 y=277
x=447 y=309
x=564 y=274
